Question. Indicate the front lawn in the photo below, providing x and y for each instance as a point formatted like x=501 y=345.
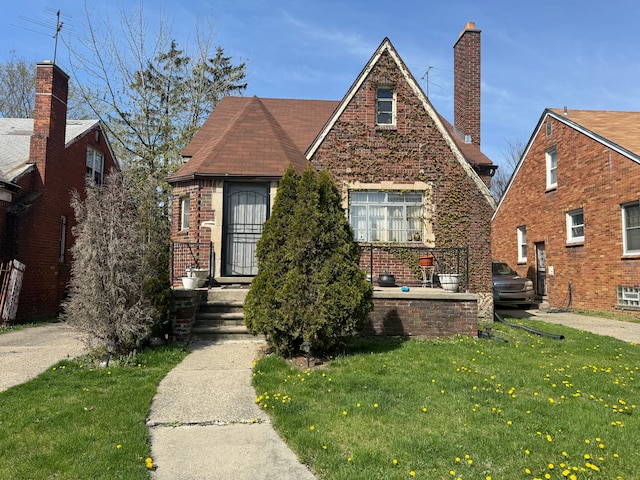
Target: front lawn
x=81 y=421
x=528 y=408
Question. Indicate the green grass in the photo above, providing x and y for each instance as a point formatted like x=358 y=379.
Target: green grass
x=81 y=421
x=464 y=408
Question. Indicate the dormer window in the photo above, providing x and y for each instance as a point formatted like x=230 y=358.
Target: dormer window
x=385 y=106
x=95 y=164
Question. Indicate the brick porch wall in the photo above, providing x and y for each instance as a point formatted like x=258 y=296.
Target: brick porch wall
x=423 y=316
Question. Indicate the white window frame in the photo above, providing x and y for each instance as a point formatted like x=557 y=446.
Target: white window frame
x=627 y=229
x=551 y=159
x=95 y=165
x=574 y=226
x=379 y=111
x=522 y=244
x=377 y=219
x=185 y=210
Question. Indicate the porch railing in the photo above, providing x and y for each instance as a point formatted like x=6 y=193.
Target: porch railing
x=403 y=262
x=191 y=255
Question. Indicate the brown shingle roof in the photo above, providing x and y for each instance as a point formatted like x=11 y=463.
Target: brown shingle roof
x=471 y=152
x=621 y=128
x=254 y=137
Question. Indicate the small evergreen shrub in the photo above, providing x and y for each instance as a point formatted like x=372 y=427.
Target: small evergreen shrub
x=309 y=286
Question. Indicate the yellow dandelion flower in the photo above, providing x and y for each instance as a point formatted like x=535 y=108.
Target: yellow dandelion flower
x=395 y=461
x=551 y=466
x=375 y=405
x=312 y=427
x=344 y=412
x=527 y=471
x=549 y=438
x=587 y=456
x=412 y=473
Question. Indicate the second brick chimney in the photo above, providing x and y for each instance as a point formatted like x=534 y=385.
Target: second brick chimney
x=466 y=94
x=49 y=118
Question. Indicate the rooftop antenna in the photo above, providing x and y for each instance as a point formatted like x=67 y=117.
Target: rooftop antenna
x=426 y=77
x=57 y=25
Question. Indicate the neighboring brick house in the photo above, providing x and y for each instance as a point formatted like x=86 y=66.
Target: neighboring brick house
x=43 y=160
x=570 y=217
x=395 y=159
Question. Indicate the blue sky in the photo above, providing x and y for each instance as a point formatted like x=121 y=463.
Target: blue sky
x=549 y=53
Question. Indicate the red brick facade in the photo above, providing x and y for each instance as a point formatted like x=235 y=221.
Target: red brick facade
x=415 y=150
x=591 y=176
x=466 y=94
x=35 y=219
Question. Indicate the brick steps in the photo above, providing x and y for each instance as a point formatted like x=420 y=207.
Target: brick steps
x=221 y=316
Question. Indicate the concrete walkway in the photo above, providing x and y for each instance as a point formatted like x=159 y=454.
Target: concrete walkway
x=205 y=424
x=26 y=353
x=625 y=331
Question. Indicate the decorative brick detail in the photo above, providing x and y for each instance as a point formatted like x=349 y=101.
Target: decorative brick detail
x=423 y=317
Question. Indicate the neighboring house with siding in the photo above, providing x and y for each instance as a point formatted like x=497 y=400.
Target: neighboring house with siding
x=408 y=177
x=570 y=216
x=42 y=160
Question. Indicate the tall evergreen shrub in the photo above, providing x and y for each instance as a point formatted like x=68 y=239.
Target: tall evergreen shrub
x=309 y=286
x=109 y=299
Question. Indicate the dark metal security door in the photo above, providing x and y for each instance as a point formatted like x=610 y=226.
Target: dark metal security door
x=541 y=269
x=246 y=206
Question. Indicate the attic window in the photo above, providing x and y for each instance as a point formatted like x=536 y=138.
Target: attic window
x=549 y=129
x=385 y=106
x=95 y=164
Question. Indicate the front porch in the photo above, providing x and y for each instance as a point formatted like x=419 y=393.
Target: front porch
x=215 y=313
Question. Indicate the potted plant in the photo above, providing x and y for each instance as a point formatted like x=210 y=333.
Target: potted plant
x=426 y=261
x=449 y=281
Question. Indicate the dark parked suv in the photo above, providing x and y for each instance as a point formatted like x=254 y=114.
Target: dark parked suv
x=509 y=288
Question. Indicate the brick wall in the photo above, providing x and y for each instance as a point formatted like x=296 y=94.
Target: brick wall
x=592 y=177
x=355 y=150
x=466 y=94
x=423 y=317
x=33 y=234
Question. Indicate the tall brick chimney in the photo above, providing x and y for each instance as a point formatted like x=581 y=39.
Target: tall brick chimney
x=49 y=118
x=466 y=94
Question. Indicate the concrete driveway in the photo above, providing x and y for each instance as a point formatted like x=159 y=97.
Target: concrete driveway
x=626 y=331
x=26 y=353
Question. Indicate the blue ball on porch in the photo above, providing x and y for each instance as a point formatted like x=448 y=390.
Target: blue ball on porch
x=405 y=289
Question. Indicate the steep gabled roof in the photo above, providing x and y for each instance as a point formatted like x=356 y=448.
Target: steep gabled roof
x=448 y=136
x=619 y=131
x=15 y=142
x=254 y=137
x=614 y=129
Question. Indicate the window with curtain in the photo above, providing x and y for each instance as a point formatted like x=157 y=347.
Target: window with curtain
x=386 y=216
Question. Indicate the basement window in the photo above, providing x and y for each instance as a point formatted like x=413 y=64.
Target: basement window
x=628 y=297
x=385 y=106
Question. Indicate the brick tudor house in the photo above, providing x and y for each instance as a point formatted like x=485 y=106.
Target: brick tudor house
x=570 y=216
x=42 y=160
x=407 y=176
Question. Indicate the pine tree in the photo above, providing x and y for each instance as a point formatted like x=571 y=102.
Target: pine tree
x=309 y=286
